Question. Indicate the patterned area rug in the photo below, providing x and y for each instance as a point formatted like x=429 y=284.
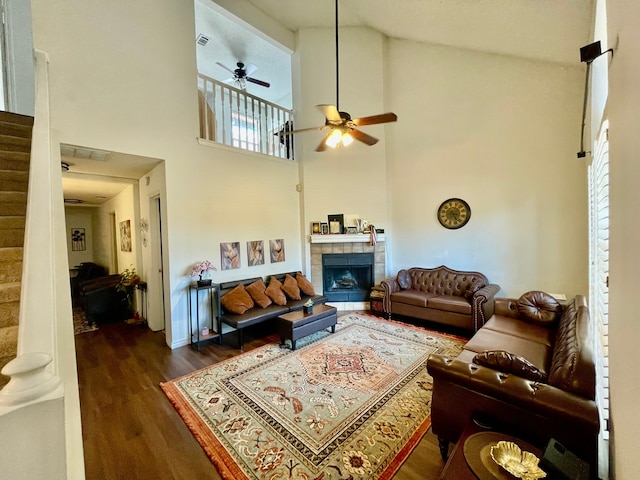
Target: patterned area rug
x=349 y=405
x=80 y=323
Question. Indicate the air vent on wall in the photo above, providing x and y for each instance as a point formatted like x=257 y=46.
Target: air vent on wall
x=87 y=153
x=202 y=40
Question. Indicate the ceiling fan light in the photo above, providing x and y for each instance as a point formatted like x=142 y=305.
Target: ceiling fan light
x=347 y=139
x=334 y=139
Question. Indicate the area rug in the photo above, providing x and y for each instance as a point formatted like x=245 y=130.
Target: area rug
x=80 y=322
x=348 y=405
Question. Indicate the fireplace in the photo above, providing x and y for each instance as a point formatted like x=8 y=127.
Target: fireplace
x=347 y=277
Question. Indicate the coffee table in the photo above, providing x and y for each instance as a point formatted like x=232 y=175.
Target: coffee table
x=295 y=325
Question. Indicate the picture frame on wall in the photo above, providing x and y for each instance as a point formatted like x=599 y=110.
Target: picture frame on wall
x=276 y=249
x=336 y=223
x=230 y=255
x=78 y=239
x=125 y=236
x=315 y=228
x=324 y=228
x=255 y=252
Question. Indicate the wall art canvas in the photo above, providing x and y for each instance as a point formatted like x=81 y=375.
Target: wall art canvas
x=78 y=240
x=255 y=252
x=230 y=255
x=125 y=236
x=276 y=248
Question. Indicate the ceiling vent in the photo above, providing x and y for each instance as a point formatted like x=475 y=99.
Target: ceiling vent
x=202 y=40
x=86 y=153
x=75 y=201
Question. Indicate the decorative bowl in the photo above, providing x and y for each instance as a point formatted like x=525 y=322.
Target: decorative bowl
x=520 y=464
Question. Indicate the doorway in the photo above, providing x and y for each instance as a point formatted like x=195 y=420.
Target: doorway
x=113 y=244
x=156 y=318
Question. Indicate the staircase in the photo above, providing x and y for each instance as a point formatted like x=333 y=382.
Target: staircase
x=15 y=151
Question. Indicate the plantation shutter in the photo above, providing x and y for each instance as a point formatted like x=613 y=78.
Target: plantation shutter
x=599 y=282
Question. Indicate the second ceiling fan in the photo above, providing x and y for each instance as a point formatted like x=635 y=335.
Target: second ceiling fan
x=342 y=128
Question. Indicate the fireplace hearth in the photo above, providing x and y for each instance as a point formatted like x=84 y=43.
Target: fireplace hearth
x=347 y=277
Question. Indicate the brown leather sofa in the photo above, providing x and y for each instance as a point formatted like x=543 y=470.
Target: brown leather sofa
x=452 y=297
x=530 y=367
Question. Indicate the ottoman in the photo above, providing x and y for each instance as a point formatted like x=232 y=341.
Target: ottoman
x=295 y=325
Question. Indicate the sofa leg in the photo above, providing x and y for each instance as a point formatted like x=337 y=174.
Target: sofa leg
x=444 y=448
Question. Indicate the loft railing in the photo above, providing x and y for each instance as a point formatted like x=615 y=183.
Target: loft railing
x=235 y=118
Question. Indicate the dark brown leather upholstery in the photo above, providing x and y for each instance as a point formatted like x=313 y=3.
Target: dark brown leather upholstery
x=563 y=407
x=458 y=298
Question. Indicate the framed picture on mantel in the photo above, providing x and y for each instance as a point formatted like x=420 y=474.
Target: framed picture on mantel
x=336 y=223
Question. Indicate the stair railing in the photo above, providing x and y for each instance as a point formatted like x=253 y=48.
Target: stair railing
x=40 y=407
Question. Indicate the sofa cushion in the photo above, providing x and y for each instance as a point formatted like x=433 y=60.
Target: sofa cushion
x=290 y=287
x=257 y=290
x=521 y=329
x=534 y=352
x=539 y=307
x=412 y=297
x=237 y=300
x=507 y=362
x=305 y=285
x=450 y=303
x=275 y=293
x=404 y=279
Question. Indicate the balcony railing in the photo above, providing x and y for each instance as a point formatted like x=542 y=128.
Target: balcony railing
x=235 y=118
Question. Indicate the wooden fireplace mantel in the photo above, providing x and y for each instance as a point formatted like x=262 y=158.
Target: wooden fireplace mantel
x=345 y=238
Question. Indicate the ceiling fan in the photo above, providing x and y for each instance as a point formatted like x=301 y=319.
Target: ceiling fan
x=241 y=76
x=342 y=128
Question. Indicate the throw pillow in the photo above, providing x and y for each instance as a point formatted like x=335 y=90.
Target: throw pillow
x=275 y=293
x=257 y=291
x=404 y=279
x=539 y=307
x=305 y=285
x=237 y=300
x=504 y=361
x=290 y=287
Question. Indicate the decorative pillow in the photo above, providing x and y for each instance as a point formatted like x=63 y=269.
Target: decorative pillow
x=404 y=279
x=275 y=293
x=257 y=291
x=237 y=300
x=504 y=361
x=305 y=285
x=539 y=307
x=290 y=287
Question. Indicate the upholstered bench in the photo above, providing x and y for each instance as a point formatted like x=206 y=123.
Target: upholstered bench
x=297 y=324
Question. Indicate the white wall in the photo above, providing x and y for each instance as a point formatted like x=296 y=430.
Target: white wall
x=501 y=133
x=623 y=110
x=80 y=217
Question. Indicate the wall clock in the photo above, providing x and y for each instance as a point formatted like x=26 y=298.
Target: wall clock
x=454 y=213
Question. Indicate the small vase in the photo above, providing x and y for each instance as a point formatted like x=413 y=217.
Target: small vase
x=204 y=282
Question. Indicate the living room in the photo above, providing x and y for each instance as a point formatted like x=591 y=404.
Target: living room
x=499 y=131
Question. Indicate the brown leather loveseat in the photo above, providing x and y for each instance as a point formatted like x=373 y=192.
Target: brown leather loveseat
x=529 y=367
x=452 y=297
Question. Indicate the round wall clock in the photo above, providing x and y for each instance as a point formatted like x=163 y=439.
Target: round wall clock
x=454 y=213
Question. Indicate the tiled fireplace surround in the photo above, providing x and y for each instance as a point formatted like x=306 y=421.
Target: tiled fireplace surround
x=346 y=244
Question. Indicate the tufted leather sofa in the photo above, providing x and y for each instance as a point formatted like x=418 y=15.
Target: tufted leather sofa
x=458 y=298
x=529 y=367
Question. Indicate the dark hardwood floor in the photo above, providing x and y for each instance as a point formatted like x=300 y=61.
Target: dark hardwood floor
x=130 y=429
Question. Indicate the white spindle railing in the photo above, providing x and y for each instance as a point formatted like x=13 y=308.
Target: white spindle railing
x=235 y=118
x=40 y=407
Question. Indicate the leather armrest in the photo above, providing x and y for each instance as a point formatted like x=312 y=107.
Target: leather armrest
x=390 y=285
x=532 y=397
x=482 y=304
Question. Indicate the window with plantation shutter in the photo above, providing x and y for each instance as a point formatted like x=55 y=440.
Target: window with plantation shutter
x=599 y=282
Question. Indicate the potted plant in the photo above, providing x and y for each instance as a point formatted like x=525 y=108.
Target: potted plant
x=200 y=270
x=308 y=306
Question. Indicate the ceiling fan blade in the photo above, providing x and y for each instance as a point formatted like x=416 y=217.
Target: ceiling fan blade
x=363 y=137
x=331 y=113
x=226 y=68
x=373 y=119
x=289 y=132
x=322 y=146
x=249 y=69
x=258 y=82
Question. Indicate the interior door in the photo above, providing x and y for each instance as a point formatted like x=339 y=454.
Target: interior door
x=155 y=282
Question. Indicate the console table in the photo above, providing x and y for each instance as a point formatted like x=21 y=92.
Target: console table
x=195 y=329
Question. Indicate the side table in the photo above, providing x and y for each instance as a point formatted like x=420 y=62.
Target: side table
x=195 y=329
x=376 y=300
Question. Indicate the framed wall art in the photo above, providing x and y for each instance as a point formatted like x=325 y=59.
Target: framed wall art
x=276 y=248
x=230 y=255
x=336 y=223
x=315 y=228
x=78 y=240
x=255 y=253
x=125 y=236
x=324 y=228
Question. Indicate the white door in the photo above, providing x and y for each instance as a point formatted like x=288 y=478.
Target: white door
x=155 y=281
